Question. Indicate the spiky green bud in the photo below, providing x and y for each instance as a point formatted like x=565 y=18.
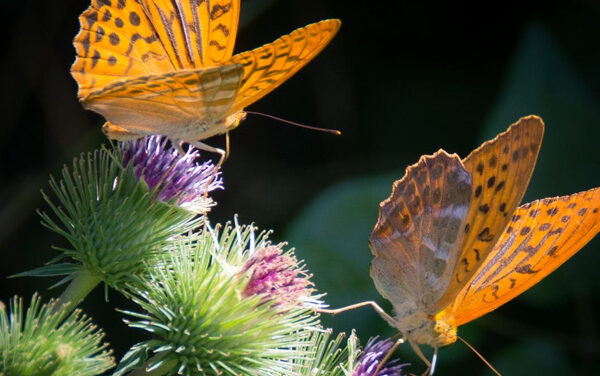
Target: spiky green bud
x=113 y=221
x=202 y=322
x=41 y=343
x=332 y=357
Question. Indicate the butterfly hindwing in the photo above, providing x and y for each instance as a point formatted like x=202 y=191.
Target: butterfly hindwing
x=267 y=67
x=540 y=237
x=500 y=169
x=116 y=41
x=171 y=103
x=415 y=241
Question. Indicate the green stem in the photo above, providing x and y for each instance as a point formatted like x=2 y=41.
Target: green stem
x=80 y=286
x=163 y=369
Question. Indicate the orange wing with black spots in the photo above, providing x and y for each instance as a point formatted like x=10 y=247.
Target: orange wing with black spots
x=269 y=66
x=116 y=42
x=500 y=169
x=195 y=33
x=541 y=236
x=219 y=23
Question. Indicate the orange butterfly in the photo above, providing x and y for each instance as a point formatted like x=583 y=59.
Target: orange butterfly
x=166 y=66
x=451 y=245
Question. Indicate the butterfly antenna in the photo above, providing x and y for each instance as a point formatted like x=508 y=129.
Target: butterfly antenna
x=332 y=131
x=479 y=355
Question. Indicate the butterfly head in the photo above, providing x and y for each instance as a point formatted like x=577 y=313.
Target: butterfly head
x=232 y=121
x=427 y=329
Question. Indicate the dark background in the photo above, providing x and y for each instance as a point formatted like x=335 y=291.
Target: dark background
x=398 y=83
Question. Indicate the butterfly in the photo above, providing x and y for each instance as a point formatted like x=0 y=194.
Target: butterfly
x=166 y=66
x=451 y=245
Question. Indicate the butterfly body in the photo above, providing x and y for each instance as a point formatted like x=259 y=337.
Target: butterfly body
x=167 y=67
x=451 y=244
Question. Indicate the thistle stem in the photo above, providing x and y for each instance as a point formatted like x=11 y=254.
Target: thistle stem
x=80 y=286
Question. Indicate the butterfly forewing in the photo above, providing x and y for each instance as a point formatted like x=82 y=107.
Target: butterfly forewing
x=116 y=41
x=269 y=66
x=540 y=237
x=195 y=33
x=218 y=25
x=170 y=104
x=500 y=169
x=416 y=239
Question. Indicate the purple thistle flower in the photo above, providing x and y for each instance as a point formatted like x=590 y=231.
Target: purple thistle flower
x=278 y=277
x=175 y=176
x=372 y=356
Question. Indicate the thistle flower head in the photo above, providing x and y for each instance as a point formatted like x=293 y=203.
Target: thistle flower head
x=114 y=223
x=277 y=277
x=200 y=320
x=39 y=342
x=174 y=176
x=372 y=356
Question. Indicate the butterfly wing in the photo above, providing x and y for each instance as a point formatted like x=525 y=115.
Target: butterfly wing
x=183 y=105
x=219 y=21
x=541 y=236
x=115 y=42
x=267 y=67
x=500 y=169
x=195 y=33
x=417 y=236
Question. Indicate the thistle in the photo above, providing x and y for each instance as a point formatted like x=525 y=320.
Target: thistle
x=174 y=176
x=201 y=320
x=373 y=355
x=119 y=209
x=279 y=278
x=332 y=357
x=40 y=343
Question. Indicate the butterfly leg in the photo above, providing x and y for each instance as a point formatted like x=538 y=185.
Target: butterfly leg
x=433 y=361
x=418 y=351
x=179 y=146
x=376 y=307
x=203 y=146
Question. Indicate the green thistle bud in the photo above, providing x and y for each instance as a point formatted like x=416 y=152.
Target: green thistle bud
x=202 y=322
x=114 y=223
x=42 y=344
x=332 y=357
